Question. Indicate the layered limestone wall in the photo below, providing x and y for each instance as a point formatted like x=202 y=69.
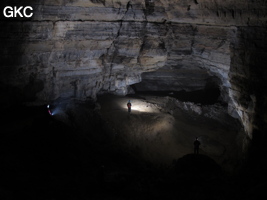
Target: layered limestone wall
x=248 y=78
x=78 y=48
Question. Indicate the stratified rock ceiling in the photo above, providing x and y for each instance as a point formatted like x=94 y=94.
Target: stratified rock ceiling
x=78 y=48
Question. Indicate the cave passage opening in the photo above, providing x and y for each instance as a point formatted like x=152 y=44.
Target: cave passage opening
x=205 y=91
x=205 y=97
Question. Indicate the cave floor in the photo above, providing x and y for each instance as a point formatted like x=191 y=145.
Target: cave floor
x=148 y=154
x=152 y=133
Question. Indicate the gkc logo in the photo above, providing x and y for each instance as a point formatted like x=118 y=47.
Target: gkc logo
x=20 y=11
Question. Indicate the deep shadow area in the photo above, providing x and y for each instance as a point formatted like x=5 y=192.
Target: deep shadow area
x=45 y=158
x=41 y=158
x=195 y=165
x=205 y=97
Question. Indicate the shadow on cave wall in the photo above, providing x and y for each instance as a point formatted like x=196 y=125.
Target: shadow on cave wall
x=13 y=35
x=248 y=76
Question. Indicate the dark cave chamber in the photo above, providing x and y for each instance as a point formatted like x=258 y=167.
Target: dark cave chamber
x=45 y=158
x=204 y=97
x=204 y=90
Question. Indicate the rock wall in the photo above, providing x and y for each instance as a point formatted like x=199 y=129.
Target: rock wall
x=248 y=76
x=77 y=48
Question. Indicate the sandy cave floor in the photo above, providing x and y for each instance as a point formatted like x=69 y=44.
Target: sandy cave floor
x=160 y=137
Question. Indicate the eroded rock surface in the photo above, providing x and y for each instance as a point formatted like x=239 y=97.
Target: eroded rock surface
x=78 y=49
